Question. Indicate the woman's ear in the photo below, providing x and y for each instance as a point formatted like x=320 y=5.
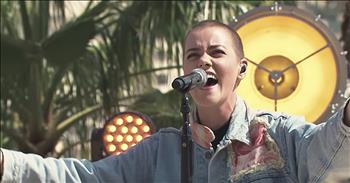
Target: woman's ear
x=243 y=68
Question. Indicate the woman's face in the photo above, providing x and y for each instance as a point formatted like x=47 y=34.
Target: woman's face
x=212 y=49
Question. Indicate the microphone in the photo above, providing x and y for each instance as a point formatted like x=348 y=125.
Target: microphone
x=197 y=78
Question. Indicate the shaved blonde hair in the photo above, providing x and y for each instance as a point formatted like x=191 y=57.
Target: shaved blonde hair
x=237 y=42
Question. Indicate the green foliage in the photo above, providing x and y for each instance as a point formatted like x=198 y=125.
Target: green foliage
x=30 y=88
x=78 y=33
x=163 y=109
x=58 y=72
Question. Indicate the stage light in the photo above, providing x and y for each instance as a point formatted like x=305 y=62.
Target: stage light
x=146 y=129
x=111 y=128
x=125 y=130
x=134 y=130
x=119 y=121
x=139 y=121
x=108 y=138
x=295 y=65
x=138 y=138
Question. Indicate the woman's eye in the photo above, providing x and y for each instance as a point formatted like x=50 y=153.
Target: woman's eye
x=217 y=53
x=192 y=55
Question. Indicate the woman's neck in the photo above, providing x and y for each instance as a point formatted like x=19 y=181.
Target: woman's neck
x=216 y=116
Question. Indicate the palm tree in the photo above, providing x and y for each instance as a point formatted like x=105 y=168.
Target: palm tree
x=36 y=66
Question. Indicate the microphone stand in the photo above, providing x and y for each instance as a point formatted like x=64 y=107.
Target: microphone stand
x=186 y=142
x=184 y=84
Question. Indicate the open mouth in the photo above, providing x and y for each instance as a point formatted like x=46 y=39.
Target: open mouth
x=211 y=80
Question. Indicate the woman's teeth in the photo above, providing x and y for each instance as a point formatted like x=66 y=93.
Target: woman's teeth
x=211 y=80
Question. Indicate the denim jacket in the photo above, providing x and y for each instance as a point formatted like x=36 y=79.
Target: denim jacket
x=258 y=147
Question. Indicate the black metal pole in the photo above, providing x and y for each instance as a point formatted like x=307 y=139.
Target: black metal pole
x=186 y=142
x=96 y=144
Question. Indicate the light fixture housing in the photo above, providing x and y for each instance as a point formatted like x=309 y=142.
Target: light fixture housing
x=120 y=132
x=279 y=37
x=125 y=130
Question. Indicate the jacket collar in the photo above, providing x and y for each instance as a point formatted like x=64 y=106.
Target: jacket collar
x=239 y=124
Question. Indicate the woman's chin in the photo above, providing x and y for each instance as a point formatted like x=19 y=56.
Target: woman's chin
x=206 y=101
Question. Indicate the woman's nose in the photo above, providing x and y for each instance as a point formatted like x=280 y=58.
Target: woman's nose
x=204 y=63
